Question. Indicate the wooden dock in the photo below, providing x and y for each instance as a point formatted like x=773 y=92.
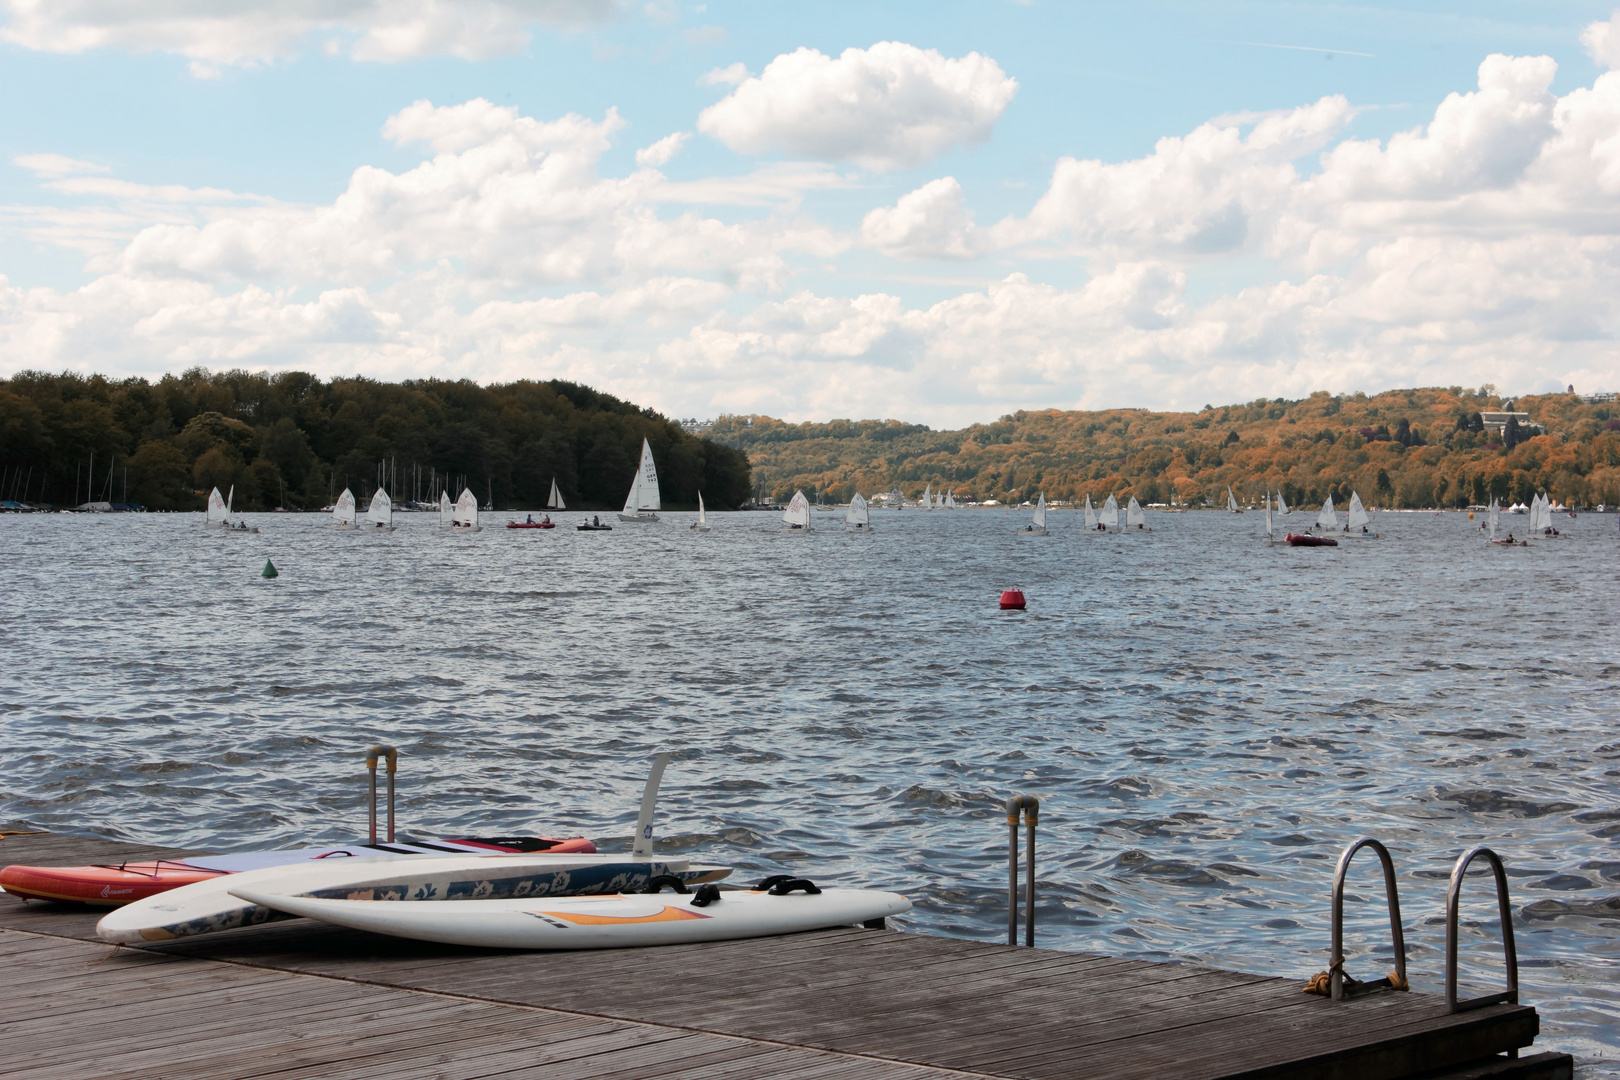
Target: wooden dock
x=294 y=1000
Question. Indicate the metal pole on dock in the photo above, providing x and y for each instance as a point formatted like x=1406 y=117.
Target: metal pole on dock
x=392 y=757
x=1030 y=807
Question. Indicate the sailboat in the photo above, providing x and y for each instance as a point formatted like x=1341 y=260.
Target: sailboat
x=642 y=502
x=555 y=500
x=343 y=511
x=1231 y=501
x=1037 y=524
x=1282 y=507
x=857 y=520
x=950 y=500
x=1327 y=520
x=1271 y=536
x=1091 y=515
x=381 y=513
x=464 y=518
x=797 y=514
x=447 y=511
x=700 y=525
x=1108 y=517
x=219 y=515
x=1134 y=518
x=1496 y=512
x=1359 y=519
x=928 y=497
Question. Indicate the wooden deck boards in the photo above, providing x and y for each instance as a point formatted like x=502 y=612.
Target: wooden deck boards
x=290 y=1000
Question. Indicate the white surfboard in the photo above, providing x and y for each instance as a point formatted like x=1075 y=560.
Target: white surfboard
x=207 y=906
x=594 y=922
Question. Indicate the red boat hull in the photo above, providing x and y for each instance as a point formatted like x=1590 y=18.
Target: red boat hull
x=531 y=525
x=1306 y=540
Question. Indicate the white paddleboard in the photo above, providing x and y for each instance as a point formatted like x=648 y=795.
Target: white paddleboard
x=592 y=922
x=207 y=906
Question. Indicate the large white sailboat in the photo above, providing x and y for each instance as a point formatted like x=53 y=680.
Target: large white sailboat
x=700 y=525
x=381 y=513
x=857 y=520
x=464 y=518
x=555 y=500
x=447 y=511
x=797 y=514
x=343 y=511
x=1359 y=519
x=219 y=514
x=1108 y=516
x=1327 y=520
x=642 y=503
x=1037 y=523
x=1134 y=518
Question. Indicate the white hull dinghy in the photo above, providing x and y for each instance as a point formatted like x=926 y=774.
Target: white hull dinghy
x=859 y=519
x=464 y=517
x=1091 y=516
x=643 y=503
x=1327 y=520
x=797 y=514
x=343 y=511
x=1037 y=523
x=1134 y=518
x=602 y=922
x=1231 y=502
x=380 y=517
x=1359 y=520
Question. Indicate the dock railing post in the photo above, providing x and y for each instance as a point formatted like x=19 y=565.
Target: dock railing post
x=1510 y=953
x=1336 y=984
x=392 y=756
x=1029 y=806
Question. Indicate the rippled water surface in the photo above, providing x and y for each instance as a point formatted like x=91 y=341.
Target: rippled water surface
x=1207 y=721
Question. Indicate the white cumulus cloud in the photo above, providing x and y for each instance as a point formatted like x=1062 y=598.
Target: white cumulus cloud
x=929 y=223
x=663 y=151
x=1602 y=41
x=890 y=106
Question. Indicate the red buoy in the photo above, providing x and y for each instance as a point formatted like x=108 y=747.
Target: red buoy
x=1012 y=600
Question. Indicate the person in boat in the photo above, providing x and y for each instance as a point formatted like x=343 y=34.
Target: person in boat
x=1364 y=530
x=529 y=520
x=595 y=520
x=546 y=518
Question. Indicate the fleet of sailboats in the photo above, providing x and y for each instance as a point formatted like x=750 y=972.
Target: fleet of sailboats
x=642 y=504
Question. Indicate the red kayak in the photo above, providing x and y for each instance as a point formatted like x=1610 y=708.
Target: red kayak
x=114 y=884
x=1307 y=540
x=531 y=525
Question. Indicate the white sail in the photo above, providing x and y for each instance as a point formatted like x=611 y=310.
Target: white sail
x=217 y=514
x=1268 y=516
x=447 y=512
x=1110 y=513
x=703 y=517
x=1358 y=513
x=1134 y=518
x=229 y=499
x=1282 y=507
x=343 y=509
x=1231 y=499
x=1091 y=515
x=798 y=511
x=928 y=497
x=555 y=502
x=465 y=515
x=644 y=492
x=1039 y=520
x=1327 y=519
x=950 y=500
x=857 y=515
x=1495 y=513
x=1542 y=514
x=381 y=514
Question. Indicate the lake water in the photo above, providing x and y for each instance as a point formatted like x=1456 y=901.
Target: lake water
x=1206 y=720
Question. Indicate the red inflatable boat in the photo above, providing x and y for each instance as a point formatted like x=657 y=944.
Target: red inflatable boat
x=531 y=525
x=1307 y=540
x=114 y=884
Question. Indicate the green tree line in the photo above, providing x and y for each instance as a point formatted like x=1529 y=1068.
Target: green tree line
x=1403 y=448
x=291 y=439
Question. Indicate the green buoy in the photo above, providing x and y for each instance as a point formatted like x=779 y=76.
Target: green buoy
x=269 y=570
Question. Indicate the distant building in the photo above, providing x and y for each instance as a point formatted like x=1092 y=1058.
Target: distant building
x=700 y=428
x=1603 y=397
x=1496 y=420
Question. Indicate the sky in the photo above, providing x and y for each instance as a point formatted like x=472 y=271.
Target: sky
x=935 y=212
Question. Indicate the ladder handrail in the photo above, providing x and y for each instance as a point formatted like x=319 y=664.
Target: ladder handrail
x=392 y=756
x=1336 y=961
x=1030 y=807
x=1510 y=953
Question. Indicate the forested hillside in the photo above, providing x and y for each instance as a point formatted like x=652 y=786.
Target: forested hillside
x=291 y=439
x=1406 y=448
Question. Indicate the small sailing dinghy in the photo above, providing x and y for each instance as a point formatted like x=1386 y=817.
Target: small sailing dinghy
x=950 y=500
x=447 y=511
x=1231 y=502
x=1091 y=516
x=702 y=523
x=554 y=501
x=928 y=497
x=857 y=519
x=775 y=907
x=1271 y=536
x=219 y=512
x=797 y=514
x=1358 y=519
x=1037 y=523
x=642 y=503
x=1327 y=520
x=1108 y=516
x=1134 y=518
x=1282 y=507
x=343 y=511
x=1491 y=539
x=464 y=518
x=381 y=514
